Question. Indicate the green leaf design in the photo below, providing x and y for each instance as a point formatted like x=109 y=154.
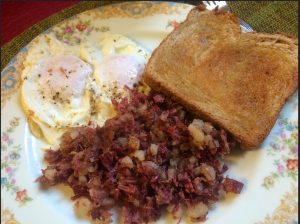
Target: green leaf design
x=265 y=186
x=15 y=188
x=88 y=22
x=8 y=186
x=3 y=147
x=270 y=152
x=28 y=199
x=274 y=175
x=67 y=37
x=293 y=175
x=4 y=164
x=18 y=148
x=9 y=130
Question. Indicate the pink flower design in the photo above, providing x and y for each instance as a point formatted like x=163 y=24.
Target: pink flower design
x=8 y=169
x=292 y=165
x=280 y=168
x=68 y=29
x=5 y=137
x=13 y=181
x=21 y=195
x=174 y=24
x=81 y=26
x=283 y=135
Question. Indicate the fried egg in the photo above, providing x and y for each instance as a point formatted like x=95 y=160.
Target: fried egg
x=117 y=62
x=70 y=86
x=55 y=88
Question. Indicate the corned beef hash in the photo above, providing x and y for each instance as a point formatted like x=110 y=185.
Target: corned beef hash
x=152 y=156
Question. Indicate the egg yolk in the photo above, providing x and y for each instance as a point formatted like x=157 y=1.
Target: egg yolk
x=62 y=77
x=123 y=69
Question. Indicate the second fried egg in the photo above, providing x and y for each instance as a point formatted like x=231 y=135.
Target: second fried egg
x=117 y=62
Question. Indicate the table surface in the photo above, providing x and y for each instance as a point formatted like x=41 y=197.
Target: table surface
x=16 y=17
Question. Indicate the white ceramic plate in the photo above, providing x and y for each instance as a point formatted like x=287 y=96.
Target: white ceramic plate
x=270 y=173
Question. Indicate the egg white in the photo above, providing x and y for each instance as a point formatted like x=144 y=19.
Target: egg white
x=117 y=61
x=49 y=118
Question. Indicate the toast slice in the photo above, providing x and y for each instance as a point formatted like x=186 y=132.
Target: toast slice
x=238 y=81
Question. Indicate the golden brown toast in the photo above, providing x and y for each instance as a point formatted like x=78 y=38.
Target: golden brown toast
x=239 y=81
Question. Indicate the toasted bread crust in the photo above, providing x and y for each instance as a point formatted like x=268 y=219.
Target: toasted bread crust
x=236 y=80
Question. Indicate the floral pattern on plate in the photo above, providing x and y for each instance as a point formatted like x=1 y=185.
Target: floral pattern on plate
x=136 y=10
x=284 y=151
x=10 y=159
x=286 y=212
x=7 y=216
x=10 y=77
x=172 y=23
x=75 y=31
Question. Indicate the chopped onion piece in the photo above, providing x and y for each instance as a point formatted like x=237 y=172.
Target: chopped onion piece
x=127 y=161
x=82 y=179
x=74 y=134
x=207 y=128
x=198 y=211
x=139 y=154
x=207 y=171
x=50 y=173
x=197 y=133
x=153 y=149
